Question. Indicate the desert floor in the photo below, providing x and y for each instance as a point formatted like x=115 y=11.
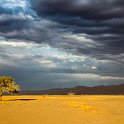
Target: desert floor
x=62 y=110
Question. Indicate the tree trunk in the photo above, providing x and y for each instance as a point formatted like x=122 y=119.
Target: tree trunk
x=1 y=93
x=0 y=98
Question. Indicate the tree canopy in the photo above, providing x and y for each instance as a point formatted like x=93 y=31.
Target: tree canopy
x=8 y=84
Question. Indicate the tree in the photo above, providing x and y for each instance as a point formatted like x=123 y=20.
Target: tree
x=8 y=84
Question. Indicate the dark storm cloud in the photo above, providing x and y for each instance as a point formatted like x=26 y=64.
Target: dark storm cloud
x=88 y=9
x=10 y=23
x=102 y=20
x=55 y=41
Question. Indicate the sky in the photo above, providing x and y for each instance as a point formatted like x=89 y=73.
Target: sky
x=62 y=43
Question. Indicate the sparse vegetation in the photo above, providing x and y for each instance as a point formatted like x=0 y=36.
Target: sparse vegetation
x=8 y=84
x=71 y=93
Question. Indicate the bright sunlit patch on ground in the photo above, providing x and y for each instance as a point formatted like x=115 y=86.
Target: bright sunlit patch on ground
x=82 y=106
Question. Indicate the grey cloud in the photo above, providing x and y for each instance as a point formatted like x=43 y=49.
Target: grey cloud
x=89 y=28
x=95 y=18
x=89 y=9
x=20 y=57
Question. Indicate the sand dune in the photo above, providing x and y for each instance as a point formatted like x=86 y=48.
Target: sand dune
x=62 y=110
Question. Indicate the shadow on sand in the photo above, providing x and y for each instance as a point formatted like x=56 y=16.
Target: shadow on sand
x=19 y=100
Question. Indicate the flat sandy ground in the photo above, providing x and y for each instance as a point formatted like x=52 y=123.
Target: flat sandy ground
x=62 y=110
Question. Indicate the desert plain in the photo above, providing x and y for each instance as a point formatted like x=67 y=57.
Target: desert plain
x=83 y=109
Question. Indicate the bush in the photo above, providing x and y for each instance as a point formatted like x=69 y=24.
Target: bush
x=71 y=93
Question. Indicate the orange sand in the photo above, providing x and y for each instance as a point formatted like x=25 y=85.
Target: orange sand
x=62 y=110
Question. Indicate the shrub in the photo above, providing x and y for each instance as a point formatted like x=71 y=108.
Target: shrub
x=71 y=93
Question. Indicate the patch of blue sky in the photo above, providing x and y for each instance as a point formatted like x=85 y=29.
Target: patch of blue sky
x=17 y=6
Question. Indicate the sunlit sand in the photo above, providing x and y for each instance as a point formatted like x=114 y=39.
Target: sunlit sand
x=62 y=110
